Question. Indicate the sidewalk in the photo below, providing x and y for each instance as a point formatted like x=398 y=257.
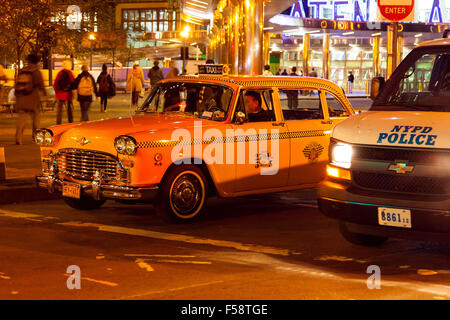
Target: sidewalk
x=23 y=161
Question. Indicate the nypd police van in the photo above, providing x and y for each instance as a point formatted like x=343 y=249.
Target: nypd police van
x=389 y=170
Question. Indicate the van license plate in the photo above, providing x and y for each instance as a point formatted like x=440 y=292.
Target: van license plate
x=394 y=217
x=71 y=190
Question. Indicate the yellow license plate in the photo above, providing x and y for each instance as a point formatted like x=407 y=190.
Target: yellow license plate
x=71 y=190
x=394 y=217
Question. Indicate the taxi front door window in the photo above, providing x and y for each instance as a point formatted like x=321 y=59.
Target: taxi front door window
x=257 y=107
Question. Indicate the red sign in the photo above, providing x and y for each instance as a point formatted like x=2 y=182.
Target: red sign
x=396 y=10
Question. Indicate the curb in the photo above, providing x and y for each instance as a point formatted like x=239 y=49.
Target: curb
x=16 y=191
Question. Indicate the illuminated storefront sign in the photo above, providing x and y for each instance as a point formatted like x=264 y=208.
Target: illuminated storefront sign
x=436 y=11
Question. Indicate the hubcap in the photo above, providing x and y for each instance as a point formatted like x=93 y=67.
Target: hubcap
x=186 y=194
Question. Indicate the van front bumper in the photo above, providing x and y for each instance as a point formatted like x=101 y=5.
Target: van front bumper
x=430 y=216
x=99 y=190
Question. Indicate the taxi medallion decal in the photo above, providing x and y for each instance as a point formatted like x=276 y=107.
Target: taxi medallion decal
x=313 y=151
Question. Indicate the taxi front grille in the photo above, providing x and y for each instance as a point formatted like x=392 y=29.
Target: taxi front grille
x=83 y=164
x=401 y=183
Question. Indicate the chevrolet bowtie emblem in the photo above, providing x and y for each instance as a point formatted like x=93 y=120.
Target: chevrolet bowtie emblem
x=83 y=141
x=401 y=167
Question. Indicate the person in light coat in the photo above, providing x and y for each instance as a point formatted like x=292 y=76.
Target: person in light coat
x=135 y=83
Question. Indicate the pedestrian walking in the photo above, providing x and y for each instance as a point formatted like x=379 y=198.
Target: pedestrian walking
x=267 y=71
x=173 y=72
x=106 y=88
x=135 y=83
x=155 y=74
x=313 y=73
x=279 y=72
x=29 y=84
x=351 y=79
x=63 y=91
x=85 y=86
x=292 y=95
x=284 y=73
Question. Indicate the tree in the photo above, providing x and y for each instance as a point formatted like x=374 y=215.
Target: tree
x=20 y=24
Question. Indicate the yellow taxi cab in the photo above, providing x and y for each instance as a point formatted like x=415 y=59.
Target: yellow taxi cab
x=196 y=137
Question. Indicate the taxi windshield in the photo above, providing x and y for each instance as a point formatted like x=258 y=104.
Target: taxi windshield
x=209 y=101
x=420 y=83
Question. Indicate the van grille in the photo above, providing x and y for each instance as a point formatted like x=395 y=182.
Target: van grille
x=401 y=183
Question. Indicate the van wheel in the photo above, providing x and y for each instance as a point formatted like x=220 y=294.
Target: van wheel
x=83 y=203
x=183 y=195
x=360 y=239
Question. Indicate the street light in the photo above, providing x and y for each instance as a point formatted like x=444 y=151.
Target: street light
x=92 y=38
x=185 y=35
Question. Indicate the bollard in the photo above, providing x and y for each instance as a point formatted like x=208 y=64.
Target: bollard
x=2 y=164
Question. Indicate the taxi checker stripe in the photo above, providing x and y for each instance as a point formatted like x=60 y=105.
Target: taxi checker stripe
x=243 y=138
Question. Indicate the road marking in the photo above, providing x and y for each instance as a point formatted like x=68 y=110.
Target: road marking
x=106 y=283
x=185 y=261
x=426 y=272
x=163 y=235
x=339 y=258
x=183 y=238
x=159 y=255
x=144 y=265
x=172 y=289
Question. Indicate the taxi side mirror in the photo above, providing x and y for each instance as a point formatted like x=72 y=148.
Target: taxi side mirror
x=376 y=87
x=239 y=117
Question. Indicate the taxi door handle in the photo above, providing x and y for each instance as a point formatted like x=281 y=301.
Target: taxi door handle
x=327 y=121
x=278 y=124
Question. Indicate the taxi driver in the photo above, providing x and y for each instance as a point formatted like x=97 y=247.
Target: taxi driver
x=253 y=106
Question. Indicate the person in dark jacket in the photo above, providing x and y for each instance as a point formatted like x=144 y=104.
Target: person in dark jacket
x=104 y=82
x=85 y=86
x=155 y=74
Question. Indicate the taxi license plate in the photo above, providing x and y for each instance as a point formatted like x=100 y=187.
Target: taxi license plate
x=71 y=190
x=394 y=217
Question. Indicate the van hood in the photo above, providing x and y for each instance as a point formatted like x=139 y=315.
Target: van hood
x=401 y=129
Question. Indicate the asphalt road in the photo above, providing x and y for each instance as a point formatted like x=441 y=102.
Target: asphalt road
x=261 y=247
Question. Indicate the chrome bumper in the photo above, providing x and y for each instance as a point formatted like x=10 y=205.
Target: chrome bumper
x=99 y=190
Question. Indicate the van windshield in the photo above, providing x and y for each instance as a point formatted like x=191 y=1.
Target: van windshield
x=420 y=83
x=209 y=101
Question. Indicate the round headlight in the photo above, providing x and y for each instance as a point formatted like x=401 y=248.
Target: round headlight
x=125 y=145
x=39 y=137
x=44 y=137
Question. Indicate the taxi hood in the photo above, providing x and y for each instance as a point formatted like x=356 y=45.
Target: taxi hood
x=400 y=128
x=99 y=135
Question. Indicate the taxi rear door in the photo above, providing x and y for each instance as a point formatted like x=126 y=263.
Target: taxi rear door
x=306 y=116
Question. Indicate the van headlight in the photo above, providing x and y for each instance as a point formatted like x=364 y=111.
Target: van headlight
x=44 y=137
x=341 y=154
x=125 y=145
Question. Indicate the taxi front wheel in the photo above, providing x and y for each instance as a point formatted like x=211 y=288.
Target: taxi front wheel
x=183 y=195
x=83 y=203
x=360 y=239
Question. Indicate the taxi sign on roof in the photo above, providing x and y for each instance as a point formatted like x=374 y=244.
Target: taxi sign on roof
x=213 y=69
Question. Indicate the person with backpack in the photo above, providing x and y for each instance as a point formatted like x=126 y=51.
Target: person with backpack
x=63 y=91
x=106 y=88
x=28 y=84
x=155 y=74
x=135 y=83
x=86 y=87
